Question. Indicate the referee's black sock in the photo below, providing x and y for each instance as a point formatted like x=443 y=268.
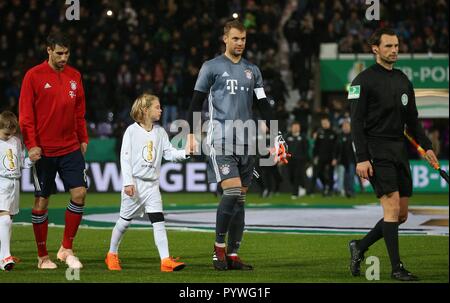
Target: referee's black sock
x=390 y=233
x=225 y=212
x=375 y=234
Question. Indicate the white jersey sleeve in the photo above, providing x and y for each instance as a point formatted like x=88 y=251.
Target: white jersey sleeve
x=25 y=162
x=126 y=160
x=142 y=152
x=170 y=153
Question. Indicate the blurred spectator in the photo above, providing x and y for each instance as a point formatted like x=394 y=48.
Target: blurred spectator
x=169 y=102
x=302 y=114
x=282 y=116
x=144 y=46
x=299 y=149
x=434 y=136
x=346 y=161
x=158 y=46
x=324 y=157
x=336 y=114
x=104 y=129
x=422 y=26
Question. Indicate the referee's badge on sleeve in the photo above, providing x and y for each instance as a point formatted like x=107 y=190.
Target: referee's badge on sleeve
x=405 y=99
x=354 y=92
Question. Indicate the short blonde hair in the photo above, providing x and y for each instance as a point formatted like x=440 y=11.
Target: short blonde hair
x=8 y=120
x=143 y=101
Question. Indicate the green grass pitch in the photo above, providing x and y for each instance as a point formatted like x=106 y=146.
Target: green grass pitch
x=277 y=257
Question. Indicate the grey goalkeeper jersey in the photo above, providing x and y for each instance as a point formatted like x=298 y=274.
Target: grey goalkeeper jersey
x=230 y=87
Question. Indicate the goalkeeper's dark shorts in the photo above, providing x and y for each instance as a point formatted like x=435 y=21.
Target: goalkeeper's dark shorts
x=391 y=171
x=222 y=166
x=71 y=168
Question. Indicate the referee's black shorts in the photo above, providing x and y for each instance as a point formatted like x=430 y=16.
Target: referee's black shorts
x=391 y=170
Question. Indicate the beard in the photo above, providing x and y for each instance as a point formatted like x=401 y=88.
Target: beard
x=59 y=65
x=237 y=53
x=388 y=60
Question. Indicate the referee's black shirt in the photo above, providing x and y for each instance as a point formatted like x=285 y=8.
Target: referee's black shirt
x=382 y=102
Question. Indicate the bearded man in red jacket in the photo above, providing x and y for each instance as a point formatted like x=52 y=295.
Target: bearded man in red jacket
x=51 y=118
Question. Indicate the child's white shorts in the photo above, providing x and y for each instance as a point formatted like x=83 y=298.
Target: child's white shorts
x=9 y=195
x=147 y=199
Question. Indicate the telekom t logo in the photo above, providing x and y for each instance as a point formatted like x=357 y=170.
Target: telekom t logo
x=231 y=86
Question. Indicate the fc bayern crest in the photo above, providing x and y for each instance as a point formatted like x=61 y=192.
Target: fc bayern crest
x=248 y=74
x=73 y=85
x=225 y=169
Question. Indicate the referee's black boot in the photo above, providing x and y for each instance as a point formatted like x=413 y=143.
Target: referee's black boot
x=401 y=274
x=356 y=256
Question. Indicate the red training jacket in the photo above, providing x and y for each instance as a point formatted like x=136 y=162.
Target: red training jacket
x=52 y=106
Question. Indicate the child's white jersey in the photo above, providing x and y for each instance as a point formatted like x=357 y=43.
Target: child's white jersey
x=12 y=158
x=142 y=152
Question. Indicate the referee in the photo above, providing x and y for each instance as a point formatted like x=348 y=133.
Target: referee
x=382 y=104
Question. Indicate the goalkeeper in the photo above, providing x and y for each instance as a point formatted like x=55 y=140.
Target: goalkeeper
x=230 y=82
